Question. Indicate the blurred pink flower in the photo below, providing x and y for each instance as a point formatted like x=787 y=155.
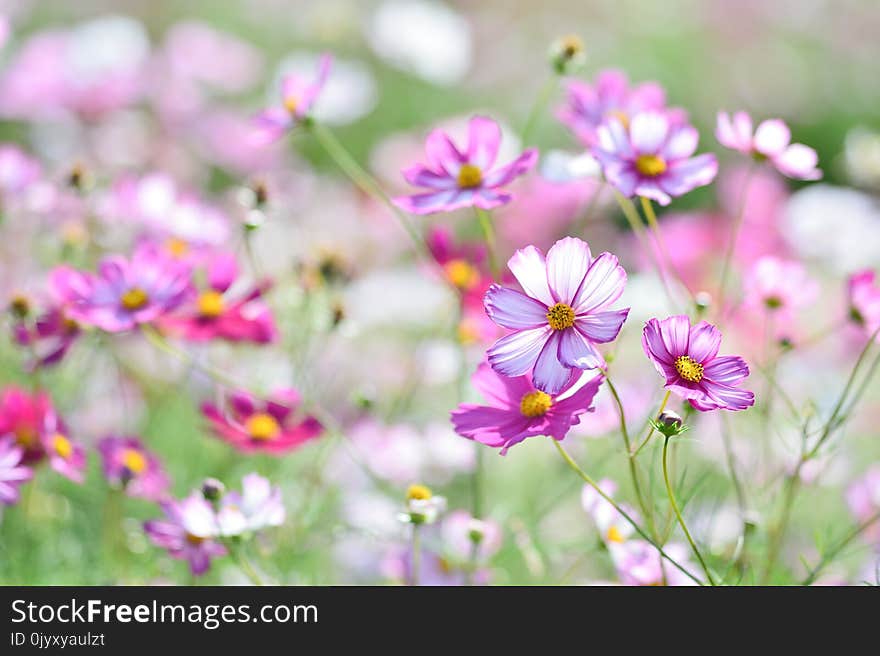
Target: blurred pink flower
x=563 y=313
x=126 y=292
x=779 y=286
x=13 y=474
x=639 y=563
x=458 y=529
x=274 y=426
x=129 y=465
x=613 y=527
x=652 y=157
x=188 y=532
x=27 y=419
x=863 y=498
x=18 y=170
x=771 y=141
x=864 y=301
x=466 y=178
x=517 y=410
x=687 y=357
x=48 y=337
x=66 y=456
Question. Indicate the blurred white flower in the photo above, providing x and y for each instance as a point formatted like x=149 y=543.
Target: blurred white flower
x=862 y=156
x=562 y=166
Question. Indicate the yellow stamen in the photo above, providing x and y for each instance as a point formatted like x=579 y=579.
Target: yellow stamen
x=211 y=304
x=689 y=369
x=461 y=274
x=614 y=535
x=420 y=492
x=134 y=461
x=62 y=446
x=650 y=165
x=290 y=104
x=560 y=316
x=134 y=299
x=572 y=45
x=177 y=247
x=263 y=426
x=621 y=116
x=194 y=540
x=535 y=404
x=469 y=176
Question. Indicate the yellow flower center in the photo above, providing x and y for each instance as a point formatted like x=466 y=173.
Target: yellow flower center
x=177 y=247
x=614 y=535
x=461 y=274
x=194 y=540
x=621 y=116
x=560 y=316
x=134 y=461
x=211 y=304
x=62 y=446
x=262 y=426
x=469 y=176
x=572 y=45
x=420 y=492
x=535 y=404
x=25 y=436
x=467 y=333
x=650 y=165
x=689 y=369
x=290 y=104
x=134 y=299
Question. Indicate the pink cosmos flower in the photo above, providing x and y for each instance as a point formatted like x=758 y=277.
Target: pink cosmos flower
x=125 y=292
x=188 y=532
x=459 y=527
x=687 y=356
x=652 y=157
x=216 y=313
x=588 y=106
x=613 y=527
x=27 y=419
x=128 y=464
x=639 y=563
x=863 y=498
x=298 y=96
x=771 y=141
x=13 y=474
x=780 y=286
x=256 y=507
x=518 y=410
x=274 y=426
x=464 y=264
x=49 y=336
x=864 y=301
x=468 y=178
x=563 y=313
x=18 y=171
x=66 y=456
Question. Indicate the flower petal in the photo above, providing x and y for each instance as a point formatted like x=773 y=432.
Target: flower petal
x=648 y=132
x=505 y=174
x=726 y=369
x=675 y=333
x=602 y=285
x=442 y=154
x=550 y=375
x=484 y=137
x=529 y=268
x=515 y=354
x=703 y=342
x=602 y=327
x=772 y=137
x=500 y=391
x=568 y=261
x=575 y=351
x=421 y=176
x=798 y=161
x=513 y=309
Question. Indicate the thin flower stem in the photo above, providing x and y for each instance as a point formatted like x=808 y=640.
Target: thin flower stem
x=633 y=471
x=678 y=516
x=638 y=529
x=488 y=228
x=245 y=566
x=651 y=426
x=734 y=237
x=651 y=217
x=832 y=553
x=638 y=228
x=538 y=108
x=416 y=555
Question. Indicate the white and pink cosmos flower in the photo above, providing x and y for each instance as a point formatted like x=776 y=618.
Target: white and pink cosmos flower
x=779 y=286
x=298 y=97
x=563 y=311
x=771 y=141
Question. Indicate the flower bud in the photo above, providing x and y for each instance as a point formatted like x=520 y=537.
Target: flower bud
x=669 y=424
x=567 y=54
x=212 y=489
x=20 y=306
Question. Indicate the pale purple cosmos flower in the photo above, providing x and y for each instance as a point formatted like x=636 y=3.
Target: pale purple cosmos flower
x=298 y=96
x=125 y=292
x=459 y=530
x=653 y=157
x=464 y=178
x=589 y=105
x=771 y=141
x=864 y=301
x=256 y=507
x=12 y=473
x=612 y=525
x=639 y=563
x=687 y=356
x=18 y=171
x=780 y=286
x=128 y=464
x=188 y=532
x=518 y=410
x=564 y=312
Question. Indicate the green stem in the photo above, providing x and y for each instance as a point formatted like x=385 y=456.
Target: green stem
x=650 y=434
x=678 y=516
x=832 y=553
x=538 y=108
x=416 y=555
x=648 y=209
x=734 y=237
x=245 y=566
x=638 y=529
x=491 y=244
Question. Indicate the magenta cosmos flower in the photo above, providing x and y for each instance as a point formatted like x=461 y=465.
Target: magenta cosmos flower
x=125 y=292
x=298 y=96
x=687 y=356
x=188 y=532
x=780 y=286
x=48 y=337
x=653 y=157
x=27 y=419
x=127 y=464
x=273 y=426
x=13 y=474
x=770 y=142
x=66 y=456
x=563 y=313
x=588 y=106
x=218 y=313
x=518 y=410
x=864 y=301
x=468 y=178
